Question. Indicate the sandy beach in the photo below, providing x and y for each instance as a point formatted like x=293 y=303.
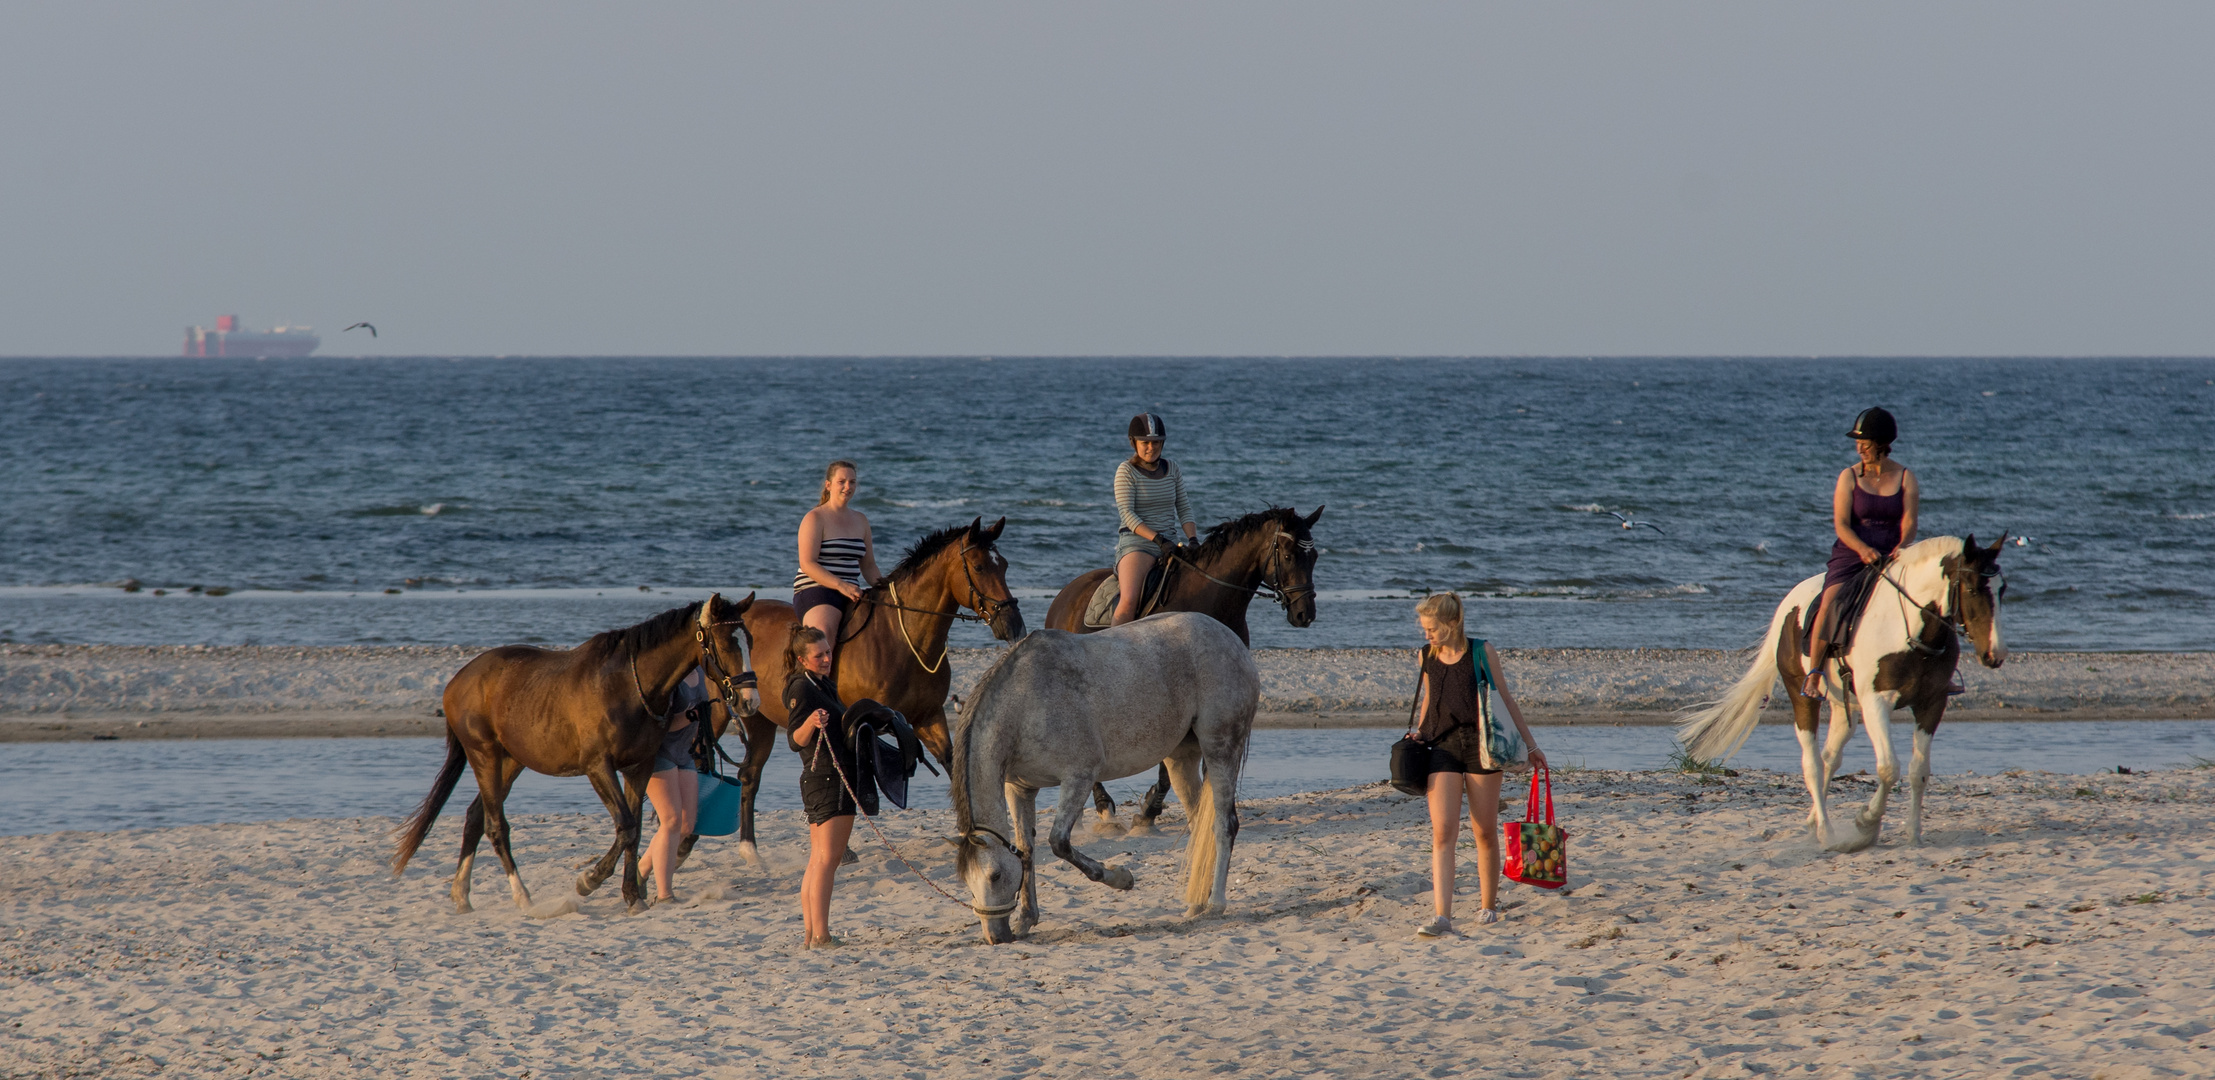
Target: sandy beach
x=2050 y=926
x=196 y=691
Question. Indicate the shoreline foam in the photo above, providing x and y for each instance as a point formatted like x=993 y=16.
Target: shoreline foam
x=50 y=692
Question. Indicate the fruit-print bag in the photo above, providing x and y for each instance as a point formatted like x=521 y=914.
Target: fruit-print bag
x=1538 y=851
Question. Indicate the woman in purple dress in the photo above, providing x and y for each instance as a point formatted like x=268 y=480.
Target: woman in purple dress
x=1872 y=509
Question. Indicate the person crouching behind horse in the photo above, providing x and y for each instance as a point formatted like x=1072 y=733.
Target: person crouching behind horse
x=818 y=735
x=838 y=557
x=1456 y=673
x=1872 y=509
x=1152 y=506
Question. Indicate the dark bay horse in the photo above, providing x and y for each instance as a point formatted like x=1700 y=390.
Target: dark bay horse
x=1269 y=551
x=596 y=710
x=892 y=645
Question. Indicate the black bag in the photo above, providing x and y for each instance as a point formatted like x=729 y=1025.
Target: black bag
x=1411 y=757
x=1411 y=766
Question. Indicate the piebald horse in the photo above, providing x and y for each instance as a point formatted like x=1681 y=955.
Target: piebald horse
x=1904 y=652
x=892 y=645
x=1065 y=711
x=599 y=710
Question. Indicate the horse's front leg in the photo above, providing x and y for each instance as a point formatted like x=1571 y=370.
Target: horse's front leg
x=634 y=805
x=760 y=740
x=1918 y=771
x=1104 y=804
x=1066 y=816
x=1876 y=719
x=1023 y=814
x=608 y=785
x=1156 y=797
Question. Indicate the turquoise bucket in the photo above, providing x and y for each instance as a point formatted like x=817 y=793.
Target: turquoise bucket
x=718 y=815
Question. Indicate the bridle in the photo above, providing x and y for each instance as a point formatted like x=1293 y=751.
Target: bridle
x=1284 y=595
x=713 y=671
x=1955 y=603
x=987 y=608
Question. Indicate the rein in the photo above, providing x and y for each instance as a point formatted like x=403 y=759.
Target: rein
x=986 y=607
x=1283 y=595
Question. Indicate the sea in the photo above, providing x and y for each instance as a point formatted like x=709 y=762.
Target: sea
x=543 y=500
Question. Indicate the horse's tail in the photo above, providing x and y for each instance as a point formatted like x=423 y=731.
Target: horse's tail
x=1716 y=729
x=412 y=832
x=1199 y=882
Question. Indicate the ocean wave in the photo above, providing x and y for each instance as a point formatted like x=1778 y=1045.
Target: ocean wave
x=2189 y=517
x=925 y=504
x=408 y=510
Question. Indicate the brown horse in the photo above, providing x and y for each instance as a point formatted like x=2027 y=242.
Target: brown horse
x=891 y=647
x=597 y=710
x=1270 y=551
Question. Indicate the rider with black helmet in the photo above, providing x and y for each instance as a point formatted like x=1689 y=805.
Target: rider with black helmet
x=1151 y=502
x=1872 y=509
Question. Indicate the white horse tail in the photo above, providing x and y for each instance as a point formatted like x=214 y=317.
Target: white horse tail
x=1199 y=882
x=1716 y=729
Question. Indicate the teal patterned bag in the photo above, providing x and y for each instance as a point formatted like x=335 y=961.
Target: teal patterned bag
x=1502 y=743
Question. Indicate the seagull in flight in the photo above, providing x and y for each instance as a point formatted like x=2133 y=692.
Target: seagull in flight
x=360 y=325
x=1629 y=524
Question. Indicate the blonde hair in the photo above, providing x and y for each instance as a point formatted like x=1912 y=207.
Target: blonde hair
x=1444 y=609
x=831 y=470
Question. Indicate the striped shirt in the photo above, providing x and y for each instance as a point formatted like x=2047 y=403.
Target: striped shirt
x=841 y=555
x=1159 y=504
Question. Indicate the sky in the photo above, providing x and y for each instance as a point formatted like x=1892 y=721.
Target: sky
x=1133 y=178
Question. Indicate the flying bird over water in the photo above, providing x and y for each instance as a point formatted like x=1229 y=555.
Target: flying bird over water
x=360 y=325
x=1629 y=524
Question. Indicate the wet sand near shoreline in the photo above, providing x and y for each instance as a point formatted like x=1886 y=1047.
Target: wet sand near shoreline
x=2048 y=926
x=59 y=692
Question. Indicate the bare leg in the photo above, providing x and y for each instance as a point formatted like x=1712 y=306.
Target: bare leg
x=1445 y=803
x=1130 y=582
x=1484 y=817
x=824 y=617
x=676 y=795
x=826 y=842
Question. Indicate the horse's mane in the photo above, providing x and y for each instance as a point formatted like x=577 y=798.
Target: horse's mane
x=631 y=640
x=1221 y=536
x=931 y=544
x=957 y=771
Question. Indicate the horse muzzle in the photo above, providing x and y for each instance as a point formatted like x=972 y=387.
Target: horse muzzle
x=1007 y=622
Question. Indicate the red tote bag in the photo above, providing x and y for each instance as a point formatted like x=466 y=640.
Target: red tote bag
x=1538 y=851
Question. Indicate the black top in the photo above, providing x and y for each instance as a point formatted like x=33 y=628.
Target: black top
x=803 y=694
x=1453 y=694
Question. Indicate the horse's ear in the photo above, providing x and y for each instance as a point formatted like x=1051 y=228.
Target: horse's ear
x=1969 y=542
x=1310 y=520
x=707 y=610
x=992 y=534
x=746 y=603
x=1999 y=543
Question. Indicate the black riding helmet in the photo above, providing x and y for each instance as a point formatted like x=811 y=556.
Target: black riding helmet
x=1148 y=426
x=1875 y=425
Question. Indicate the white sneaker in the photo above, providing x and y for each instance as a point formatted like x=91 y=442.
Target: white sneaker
x=1489 y=915
x=1438 y=927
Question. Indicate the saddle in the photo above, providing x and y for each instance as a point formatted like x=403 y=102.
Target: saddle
x=1099 y=612
x=1845 y=613
x=885 y=752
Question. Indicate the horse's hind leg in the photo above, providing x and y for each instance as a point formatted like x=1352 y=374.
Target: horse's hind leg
x=1066 y=815
x=1104 y=804
x=494 y=796
x=1222 y=786
x=1156 y=797
x=472 y=831
x=1876 y=719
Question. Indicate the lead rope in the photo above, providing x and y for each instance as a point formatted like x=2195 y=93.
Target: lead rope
x=899 y=615
x=823 y=734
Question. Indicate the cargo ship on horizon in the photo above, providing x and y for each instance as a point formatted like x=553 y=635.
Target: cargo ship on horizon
x=228 y=339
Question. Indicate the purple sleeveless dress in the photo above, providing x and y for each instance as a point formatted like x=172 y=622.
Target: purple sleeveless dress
x=1876 y=520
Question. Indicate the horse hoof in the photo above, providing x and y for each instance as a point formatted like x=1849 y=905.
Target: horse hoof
x=749 y=853
x=1142 y=828
x=585 y=884
x=463 y=908
x=1197 y=910
x=1115 y=877
x=1103 y=830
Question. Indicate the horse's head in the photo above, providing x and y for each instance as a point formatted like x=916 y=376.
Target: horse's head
x=993 y=870
x=1974 y=589
x=727 y=652
x=1292 y=566
x=984 y=584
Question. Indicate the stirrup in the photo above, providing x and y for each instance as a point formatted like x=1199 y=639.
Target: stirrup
x=1957 y=687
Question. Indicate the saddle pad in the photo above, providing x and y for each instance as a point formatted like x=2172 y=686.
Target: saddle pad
x=1100 y=610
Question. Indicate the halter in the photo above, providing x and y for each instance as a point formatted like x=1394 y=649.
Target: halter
x=730 y=685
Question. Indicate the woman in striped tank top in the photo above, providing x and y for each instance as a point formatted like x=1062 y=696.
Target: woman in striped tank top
x=837 y=557
x=1150 y=500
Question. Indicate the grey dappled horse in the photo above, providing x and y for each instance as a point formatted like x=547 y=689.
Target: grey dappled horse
x=1066 y=711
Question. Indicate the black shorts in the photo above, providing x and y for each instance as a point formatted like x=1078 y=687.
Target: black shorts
x=815 y=596
x=824 y=797
x=1455 y=750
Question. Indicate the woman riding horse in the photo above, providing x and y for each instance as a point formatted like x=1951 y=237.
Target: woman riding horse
x=1150 y=500
x=838 y=557
x=1872 y=509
